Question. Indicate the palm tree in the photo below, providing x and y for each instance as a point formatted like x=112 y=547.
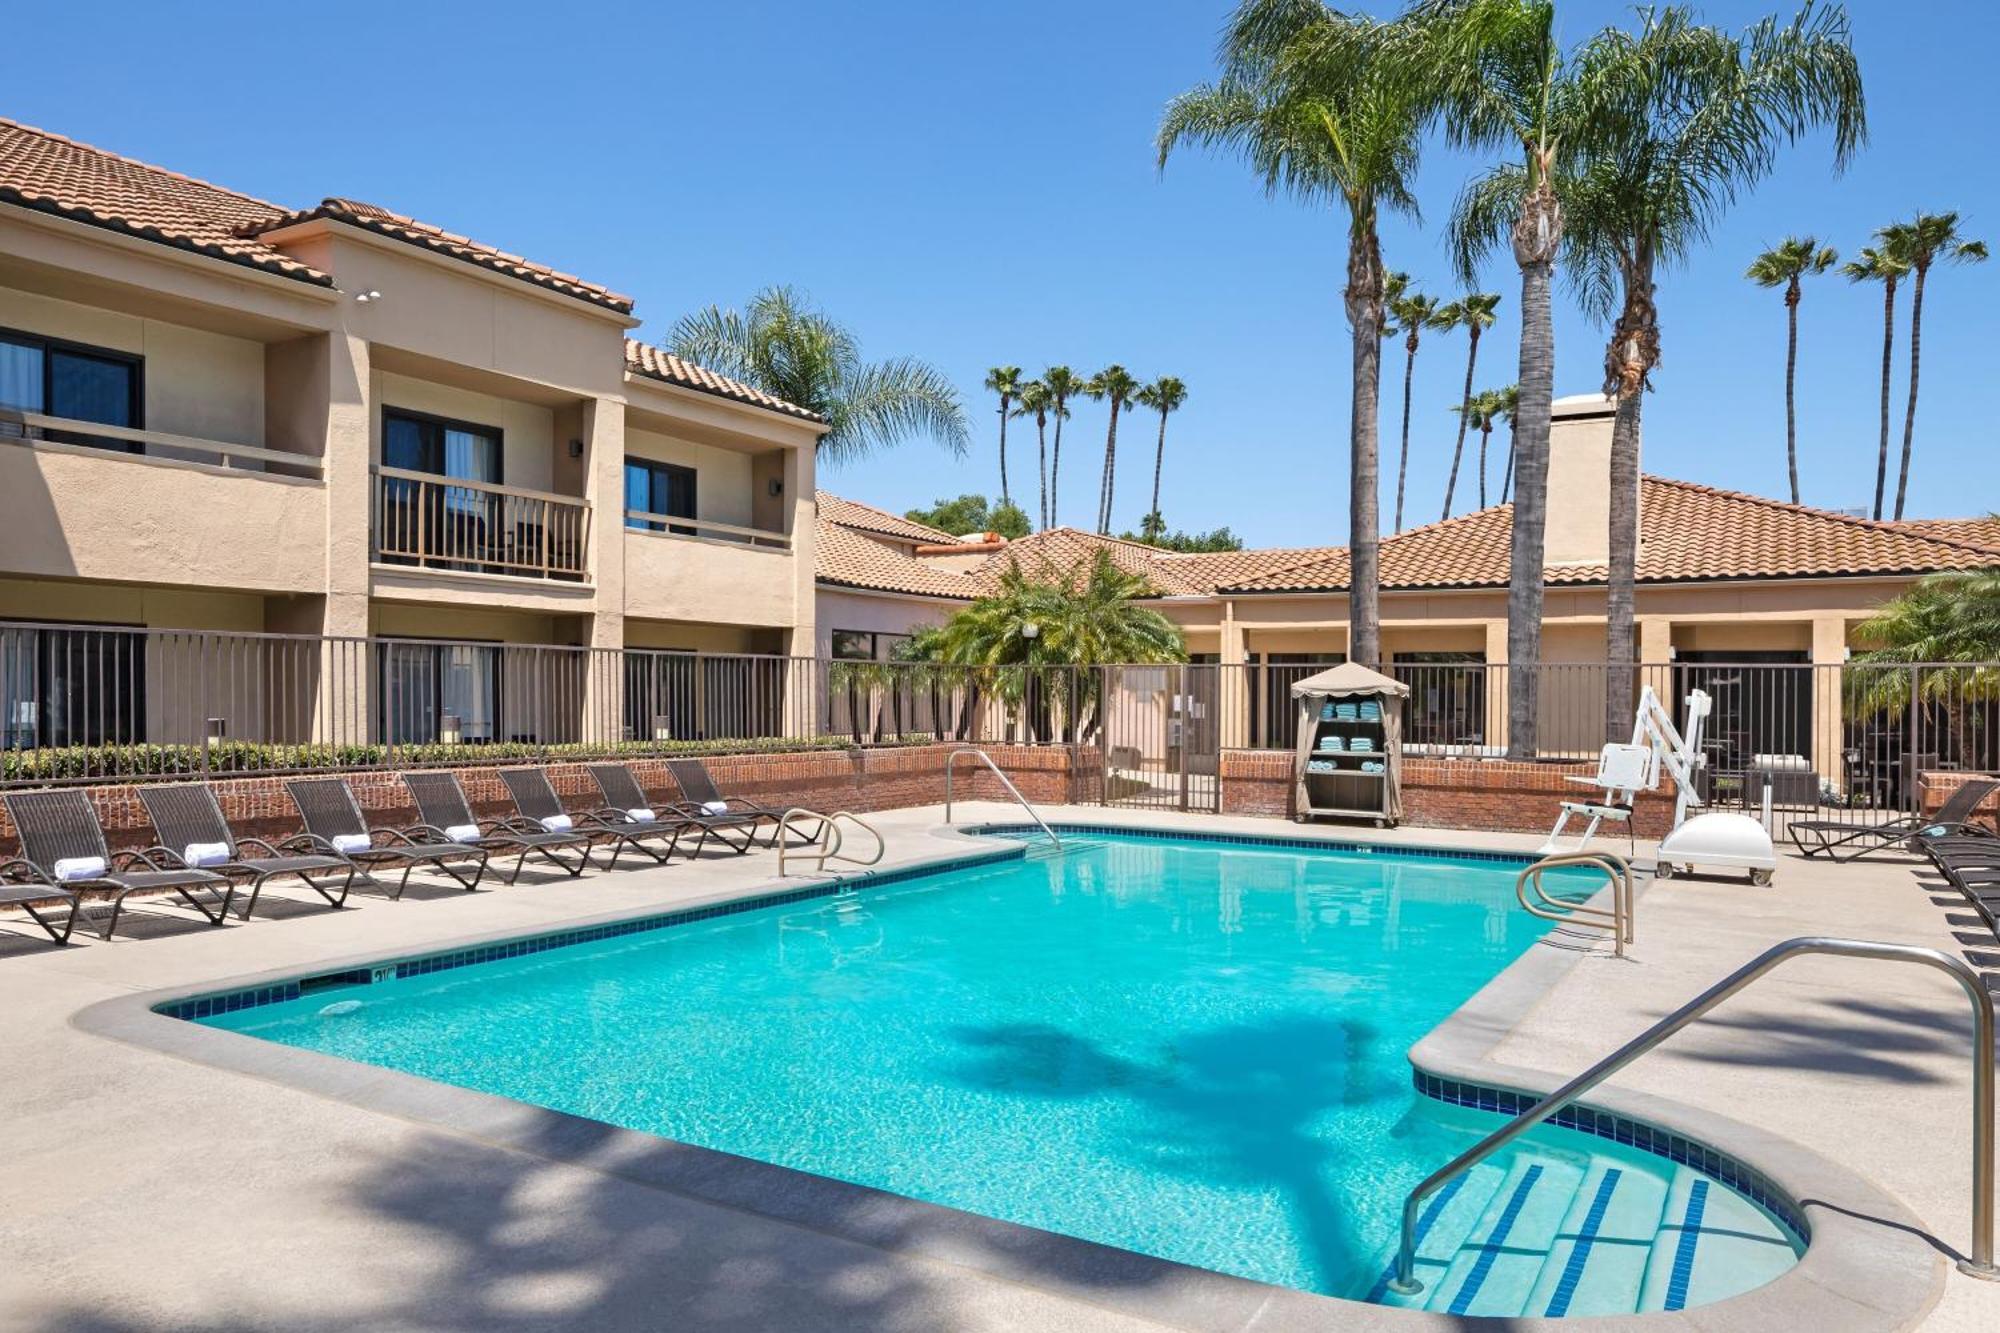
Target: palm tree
x=1784 y=265
x=1033 y=400
x=1164 y=395
x=1313 y=101
x=1480 y=411
x=1509 y=408
x=1941 y=637
x=1496 y=75
x=1681 y=116
x=1880 y=264
x=788 y=349
x=1063 y=384
x=1005 y=381
x=1114 y=384
x=1475 y=312
x=1413 y=312
x=1920 y=243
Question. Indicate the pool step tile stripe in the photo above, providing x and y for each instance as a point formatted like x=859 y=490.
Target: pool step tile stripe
x=1496 y=1270
x=1712 y=1243
x=1599 y=1260
x=1444 y=1222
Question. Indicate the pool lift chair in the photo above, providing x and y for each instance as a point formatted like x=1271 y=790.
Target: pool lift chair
x=1717 y=838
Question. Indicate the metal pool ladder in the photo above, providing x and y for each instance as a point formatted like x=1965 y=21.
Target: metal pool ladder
x=827 y=843
x=1980 y=1265
x=951 y=762
x=1617 y=870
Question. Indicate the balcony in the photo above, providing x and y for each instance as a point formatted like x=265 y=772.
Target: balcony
x=478 y=527
x=701 y=570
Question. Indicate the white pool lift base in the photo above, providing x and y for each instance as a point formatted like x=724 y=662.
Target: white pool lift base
x=1722 y=839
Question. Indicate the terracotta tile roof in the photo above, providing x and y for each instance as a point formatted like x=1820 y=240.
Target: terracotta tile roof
x=854 y=514
x=1690 y=533
x=1973 y=531
x=657 y=363
x=52 y=174
x=851 y=559
x=1215 y=569
x=382 y=221
x=1066 y=548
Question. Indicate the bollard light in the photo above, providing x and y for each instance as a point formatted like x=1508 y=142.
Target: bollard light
x=663 y=729
x=217 y=729
x=450 y=730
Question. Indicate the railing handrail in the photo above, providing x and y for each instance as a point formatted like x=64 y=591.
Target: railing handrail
x=1405 y=1281
x=752 y=536
x=951 y=762
x=830 y=840
x=468 y=484
x=221 y=448
x=1616 y=869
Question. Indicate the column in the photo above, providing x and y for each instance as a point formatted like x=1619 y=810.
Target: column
x=1656 y=655
x=602 y=425
x=1829 y=656
x=1496 y=685
x=1233 y=689
x=334 y=389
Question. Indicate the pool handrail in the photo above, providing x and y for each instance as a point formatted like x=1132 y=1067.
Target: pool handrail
x=951 y=761
x=1404 y=1282
x=1616 y=869
x=826 y=845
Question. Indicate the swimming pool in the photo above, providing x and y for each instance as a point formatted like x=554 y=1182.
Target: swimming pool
x=1190 y=1048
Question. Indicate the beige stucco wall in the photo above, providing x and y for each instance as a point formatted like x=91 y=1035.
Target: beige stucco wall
x=209 y=385
x=527 y=429
x=681 y=636
x=679 y=578
x=846 y=610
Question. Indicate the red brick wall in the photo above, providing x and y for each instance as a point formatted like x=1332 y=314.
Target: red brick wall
x=1493 y=795
x=824 y=780
x=1937 y=788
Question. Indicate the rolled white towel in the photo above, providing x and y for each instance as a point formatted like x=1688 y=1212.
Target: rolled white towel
x=641 y=814
x=205 y=853
x=715 y=807
x=349 y=843
x=557 y=824
x=462 y=832
x=71 y=868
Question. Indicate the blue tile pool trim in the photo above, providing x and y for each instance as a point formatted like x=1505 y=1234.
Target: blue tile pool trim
x=198 y=1007
x=1744 y=1179
x=1269 y=840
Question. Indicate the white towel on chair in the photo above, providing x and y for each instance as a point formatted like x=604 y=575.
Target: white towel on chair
x=462 y=832
x=557 y=824
x=640 y=814
x=349 y=843
x=71 y=868
x=715 y=807
x=205 y=854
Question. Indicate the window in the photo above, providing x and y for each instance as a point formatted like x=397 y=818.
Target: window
x=61 y=379
x=659 y=488
x=1447 y=704
x=71 y=685
x=423 y=683
x=860 y=645
x=416 y=522
x=415 y=442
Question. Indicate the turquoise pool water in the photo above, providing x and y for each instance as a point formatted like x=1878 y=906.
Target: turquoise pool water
x=1191 y=1049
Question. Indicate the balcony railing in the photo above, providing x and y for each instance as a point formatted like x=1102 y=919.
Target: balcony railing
x=702 y=529
x=477 y=526
x=35 y=426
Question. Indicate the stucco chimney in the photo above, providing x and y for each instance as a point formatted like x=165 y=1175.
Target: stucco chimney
x=1580 y=480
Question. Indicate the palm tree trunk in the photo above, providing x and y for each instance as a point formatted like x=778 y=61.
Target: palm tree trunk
x=1110 y=472
x=1364 y=522
x=1055 y=467
x=1005 y=498
x=1537 y=234
x=1485 y=434
x=1042 y=465
x=1403 y=460
x=1633 y=351
x=1159 y=457
x=1910 y=412
x=1888 y=361
x=1464 y=408
x=1507 y=474
x=1791 y=382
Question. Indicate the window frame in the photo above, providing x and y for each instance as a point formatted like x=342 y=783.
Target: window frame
x=132 y=361
x=443 y=424
x=680 y=472
x=496 y=674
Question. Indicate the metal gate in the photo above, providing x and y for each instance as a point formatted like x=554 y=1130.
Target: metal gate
x=1161 y=736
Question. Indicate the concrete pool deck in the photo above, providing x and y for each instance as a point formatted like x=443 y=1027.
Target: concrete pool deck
x=143 y=1190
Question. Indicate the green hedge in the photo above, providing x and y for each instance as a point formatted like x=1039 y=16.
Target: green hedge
x=111 y=763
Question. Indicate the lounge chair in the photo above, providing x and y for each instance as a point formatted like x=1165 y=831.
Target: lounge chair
x=63 y=852
x=701 y=797
x=194 y=836
x=446 y=814
x=626 y=801
x=334 y=827
x=536 y=799
x=1829 y=837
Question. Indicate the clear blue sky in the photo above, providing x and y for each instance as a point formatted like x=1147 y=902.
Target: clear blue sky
x=976 y=185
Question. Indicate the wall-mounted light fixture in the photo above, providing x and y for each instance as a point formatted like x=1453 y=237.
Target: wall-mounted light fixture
x=363 y=298
x=775 y=487
x=576 y=448
x=217 y=729
x=450 y=730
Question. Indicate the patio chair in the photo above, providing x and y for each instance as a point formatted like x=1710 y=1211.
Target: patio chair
x=701 y=797
x=535 y=798
x=1830 y=837
x=64 y=853
x=194 y=836
x=334 y=827
x=446 y=814
x=624 y=796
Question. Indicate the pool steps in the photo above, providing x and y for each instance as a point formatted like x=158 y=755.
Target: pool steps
x=1554 y=1234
